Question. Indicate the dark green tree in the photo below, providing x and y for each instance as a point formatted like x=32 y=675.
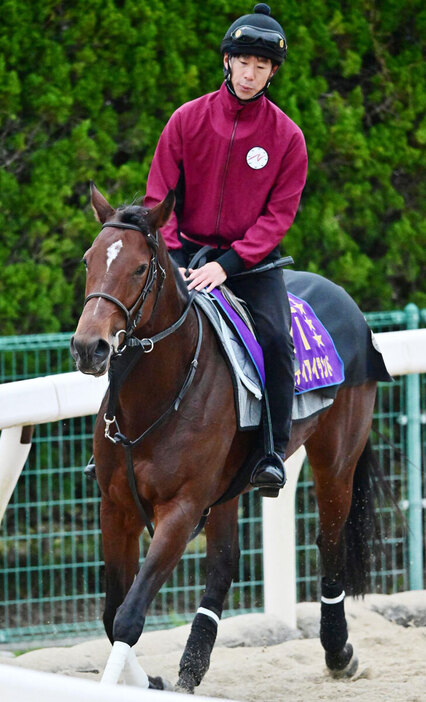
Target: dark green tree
x=86 y=88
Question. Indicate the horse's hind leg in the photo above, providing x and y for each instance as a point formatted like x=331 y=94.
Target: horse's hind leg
x=222 y=560
x=334 y=451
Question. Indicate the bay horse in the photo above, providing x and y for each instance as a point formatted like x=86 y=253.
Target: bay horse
x=186 y=462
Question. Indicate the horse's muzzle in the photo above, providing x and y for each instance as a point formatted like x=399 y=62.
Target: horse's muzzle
x=91 y=355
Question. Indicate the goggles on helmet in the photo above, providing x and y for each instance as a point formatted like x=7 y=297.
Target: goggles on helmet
x=253 y=35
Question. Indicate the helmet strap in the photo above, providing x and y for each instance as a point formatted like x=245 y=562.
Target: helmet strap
x=230 y=87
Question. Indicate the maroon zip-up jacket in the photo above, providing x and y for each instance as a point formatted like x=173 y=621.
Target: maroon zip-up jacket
x=244 y=168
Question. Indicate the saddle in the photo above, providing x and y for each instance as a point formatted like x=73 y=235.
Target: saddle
x=319 y=370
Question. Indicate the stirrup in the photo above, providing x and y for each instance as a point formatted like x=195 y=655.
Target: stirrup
x=268 y=492
x=272 y=487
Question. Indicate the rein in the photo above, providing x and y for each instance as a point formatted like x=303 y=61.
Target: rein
x=140 y=346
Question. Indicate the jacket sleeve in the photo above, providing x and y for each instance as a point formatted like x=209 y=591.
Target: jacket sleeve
x=281 y=208
x=164 y=175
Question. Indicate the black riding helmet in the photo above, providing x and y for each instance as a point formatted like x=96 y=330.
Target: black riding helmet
x=257 y=34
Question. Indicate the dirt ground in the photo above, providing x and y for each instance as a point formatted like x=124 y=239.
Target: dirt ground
x=257 y=657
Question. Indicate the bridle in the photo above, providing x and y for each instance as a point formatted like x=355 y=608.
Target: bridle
x=136 y=310
x=133 y=314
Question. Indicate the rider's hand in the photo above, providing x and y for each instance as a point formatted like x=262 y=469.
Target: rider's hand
x=207 y=277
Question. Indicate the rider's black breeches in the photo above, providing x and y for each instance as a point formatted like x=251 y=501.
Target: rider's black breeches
x=266 y=296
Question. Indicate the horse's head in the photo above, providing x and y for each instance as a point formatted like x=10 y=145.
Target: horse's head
x=123 y=279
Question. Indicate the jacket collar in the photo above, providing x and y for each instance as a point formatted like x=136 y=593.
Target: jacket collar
x=231 y=104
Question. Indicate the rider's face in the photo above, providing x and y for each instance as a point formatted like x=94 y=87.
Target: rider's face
x=249 y=74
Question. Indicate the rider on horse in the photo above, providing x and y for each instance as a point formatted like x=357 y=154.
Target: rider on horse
x=238 y=166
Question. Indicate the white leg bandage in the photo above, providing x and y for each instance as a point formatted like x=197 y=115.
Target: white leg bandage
x=333 y=600
x=133 y=673
x=116 y=662
x=208 y=613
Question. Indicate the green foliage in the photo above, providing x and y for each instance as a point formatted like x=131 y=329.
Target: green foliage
x=86 y=88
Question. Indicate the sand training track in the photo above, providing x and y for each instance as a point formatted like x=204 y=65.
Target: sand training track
x=257 y=658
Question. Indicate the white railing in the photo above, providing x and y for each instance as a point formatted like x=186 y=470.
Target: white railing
x=20 y=685
x=37 y=401
x=52 y=398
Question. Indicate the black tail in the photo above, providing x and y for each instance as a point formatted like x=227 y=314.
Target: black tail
x=363 y=541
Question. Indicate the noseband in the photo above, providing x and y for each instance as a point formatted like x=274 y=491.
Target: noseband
x=133 y=314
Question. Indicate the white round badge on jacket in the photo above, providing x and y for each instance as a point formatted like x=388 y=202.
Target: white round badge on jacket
x=257 y=158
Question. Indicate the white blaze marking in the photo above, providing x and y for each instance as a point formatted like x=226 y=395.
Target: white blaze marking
x=112 y=252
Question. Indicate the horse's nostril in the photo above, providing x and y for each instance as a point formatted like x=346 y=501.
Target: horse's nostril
x=72 y=347
x=89 y=352
x=102 y=350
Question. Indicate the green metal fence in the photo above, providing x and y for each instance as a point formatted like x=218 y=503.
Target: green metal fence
x=51 y=570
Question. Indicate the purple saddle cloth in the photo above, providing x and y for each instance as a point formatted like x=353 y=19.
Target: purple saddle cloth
x=317 y=362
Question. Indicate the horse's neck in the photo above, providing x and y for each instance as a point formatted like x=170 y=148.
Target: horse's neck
x=170 y=304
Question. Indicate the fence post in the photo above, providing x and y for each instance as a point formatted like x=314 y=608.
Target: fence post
x=415 y=542
x=15 y=444
x=279 y=546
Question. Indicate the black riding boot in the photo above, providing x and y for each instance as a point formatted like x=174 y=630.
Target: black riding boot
x=269 y=475
x=266 y=296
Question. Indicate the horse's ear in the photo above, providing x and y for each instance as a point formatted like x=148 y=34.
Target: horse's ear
x=160 y=214
x=100 y=205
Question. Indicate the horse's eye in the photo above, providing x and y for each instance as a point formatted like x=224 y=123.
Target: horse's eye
x=83 y=260
x=141 y=269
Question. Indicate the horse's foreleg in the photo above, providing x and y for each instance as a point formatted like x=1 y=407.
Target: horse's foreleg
x=221 y=560
x=173 y=526
x=120 y=545
x=120 y=540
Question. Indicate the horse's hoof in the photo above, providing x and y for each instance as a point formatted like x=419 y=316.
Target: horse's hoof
x=182 y=689
x=343 y=664
x=185 y=684
x=159 y=683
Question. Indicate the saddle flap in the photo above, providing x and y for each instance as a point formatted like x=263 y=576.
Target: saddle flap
x=247 y=381
x=245 y=332
x=239 y=306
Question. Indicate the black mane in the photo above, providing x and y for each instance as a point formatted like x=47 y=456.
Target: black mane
x=182 y=287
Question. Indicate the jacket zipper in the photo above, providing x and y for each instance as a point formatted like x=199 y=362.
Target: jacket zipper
x=225 y=170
